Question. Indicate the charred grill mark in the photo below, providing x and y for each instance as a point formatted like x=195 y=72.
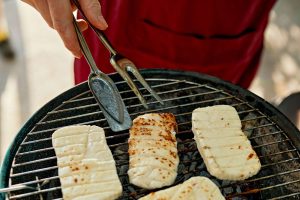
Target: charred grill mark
x=250 y=156
x=156 y=133
x=173 y=154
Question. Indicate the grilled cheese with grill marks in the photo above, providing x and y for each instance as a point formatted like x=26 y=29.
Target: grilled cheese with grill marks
x=225 y=149
x=153 y=158
x=193 y=189
x=86 y=167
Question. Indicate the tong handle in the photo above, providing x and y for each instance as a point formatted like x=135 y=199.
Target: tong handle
x=85 y=49
x=99 y=33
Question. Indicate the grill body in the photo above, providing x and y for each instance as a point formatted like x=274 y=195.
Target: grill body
x=31 y=158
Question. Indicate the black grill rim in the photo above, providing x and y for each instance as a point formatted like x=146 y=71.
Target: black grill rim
x=273 y=113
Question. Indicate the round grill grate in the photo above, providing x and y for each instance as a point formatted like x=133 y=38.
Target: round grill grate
x=34 y=160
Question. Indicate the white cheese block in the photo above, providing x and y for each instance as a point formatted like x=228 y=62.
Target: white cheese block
x=153 y=158
x=225 y=149
x=86 y=167
x=196 y=188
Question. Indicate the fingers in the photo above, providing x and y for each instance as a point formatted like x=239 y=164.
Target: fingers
x=43 y=7
x=82 y=25
x=92 y=10
x=58 y=14
x=62 y=20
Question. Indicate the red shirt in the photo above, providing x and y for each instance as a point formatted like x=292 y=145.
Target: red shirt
x=217 y=37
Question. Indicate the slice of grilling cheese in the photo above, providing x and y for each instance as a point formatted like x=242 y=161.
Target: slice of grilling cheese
x=86 y=167
x=225 y=149
x=193 y=189
x=153 y=158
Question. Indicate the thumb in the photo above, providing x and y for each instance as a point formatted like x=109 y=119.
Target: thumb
x=92 y=10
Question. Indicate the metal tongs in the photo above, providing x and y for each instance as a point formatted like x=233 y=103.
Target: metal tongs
x=103 y=88
x=121 y=64
x=104 y=91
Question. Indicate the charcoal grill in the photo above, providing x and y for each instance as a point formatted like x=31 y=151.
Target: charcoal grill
x=31 y=159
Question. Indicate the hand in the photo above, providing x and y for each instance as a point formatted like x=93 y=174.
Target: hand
x=58 y=14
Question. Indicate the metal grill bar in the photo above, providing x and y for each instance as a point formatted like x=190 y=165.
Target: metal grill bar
x=261 y=178
x=171 y=81
x=41 y=180
x=270 y=143
x=268 y=188
x=33 y=171
x=165 y=108
x=34 y=151
x=188 y=113
x=246 y=111
x=54 y=129
x=261 y=126
x=286 y=196
x=55 y=167
x=70 y=118
x=43 y=131
x=161 y=109
x=279 y=185
x=51 y=148
x=281 y=162
x=128 y=98
x=123 y=92
x=95 y=121
x=265 y=177
x=246 y=181
x=56 y=177
x=57 y=188
x=98 y=112
x=34 y=161
x=268 y=134
x=34 y=193
x=254 y=118
x=274 y=154
x=168 y=83
x=54 y=157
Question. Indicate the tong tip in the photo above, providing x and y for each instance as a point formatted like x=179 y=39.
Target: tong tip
x=157 y=97
x=144 y=103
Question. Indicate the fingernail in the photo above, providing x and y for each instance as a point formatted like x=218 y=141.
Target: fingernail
x=102 y=21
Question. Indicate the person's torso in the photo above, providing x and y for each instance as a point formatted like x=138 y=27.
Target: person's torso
x=217 y=37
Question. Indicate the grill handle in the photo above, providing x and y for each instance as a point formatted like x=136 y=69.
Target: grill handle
x=16 y=187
